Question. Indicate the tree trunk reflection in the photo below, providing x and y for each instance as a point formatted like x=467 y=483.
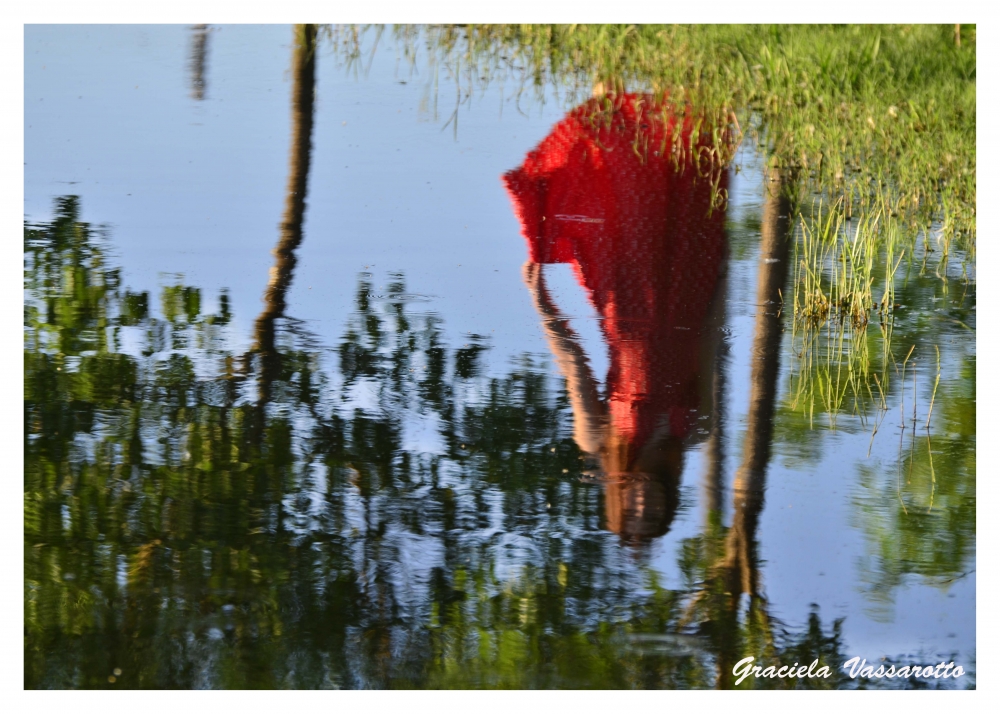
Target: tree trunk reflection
x=303 y=89
x=199 y=55
x=738 y=567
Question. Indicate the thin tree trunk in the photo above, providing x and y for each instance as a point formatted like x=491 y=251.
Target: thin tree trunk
x=739 y=566
x=199 y=55
x=748 y=487
x=713 y=483
x=303 y=89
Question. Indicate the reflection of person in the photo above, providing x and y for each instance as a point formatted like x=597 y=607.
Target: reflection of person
x=606 y=193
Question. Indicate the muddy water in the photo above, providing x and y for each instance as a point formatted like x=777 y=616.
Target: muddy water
x=336 y=376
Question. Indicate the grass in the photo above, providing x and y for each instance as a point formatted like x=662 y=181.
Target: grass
x=876 y=115
x=837 y=262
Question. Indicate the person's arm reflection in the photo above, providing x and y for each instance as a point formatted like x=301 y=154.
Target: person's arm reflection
x=640 y=484
x=589 y=413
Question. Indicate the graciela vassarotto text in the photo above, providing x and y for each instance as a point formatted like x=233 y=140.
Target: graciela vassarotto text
x=856 y=666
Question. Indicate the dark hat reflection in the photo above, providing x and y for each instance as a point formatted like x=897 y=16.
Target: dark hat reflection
x=641 y=495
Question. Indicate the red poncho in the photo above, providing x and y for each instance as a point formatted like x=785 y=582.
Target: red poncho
x=603 y=193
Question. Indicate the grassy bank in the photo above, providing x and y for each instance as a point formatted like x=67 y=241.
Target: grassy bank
x=876 y=115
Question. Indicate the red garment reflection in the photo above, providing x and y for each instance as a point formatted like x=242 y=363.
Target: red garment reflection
x=602 y=193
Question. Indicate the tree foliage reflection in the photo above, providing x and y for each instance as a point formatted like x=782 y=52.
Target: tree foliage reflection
x=181 y=530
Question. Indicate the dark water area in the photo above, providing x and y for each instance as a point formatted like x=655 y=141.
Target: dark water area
x=332 y=384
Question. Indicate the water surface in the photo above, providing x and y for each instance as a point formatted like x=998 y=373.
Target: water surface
x=336 y=379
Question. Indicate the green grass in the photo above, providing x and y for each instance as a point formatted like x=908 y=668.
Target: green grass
x=845 y=269
x=874 y=114
x=860 y=111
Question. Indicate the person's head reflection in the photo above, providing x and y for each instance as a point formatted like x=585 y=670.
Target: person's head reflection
x=615 y=190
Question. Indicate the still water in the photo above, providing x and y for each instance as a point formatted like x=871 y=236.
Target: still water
x=349 y=373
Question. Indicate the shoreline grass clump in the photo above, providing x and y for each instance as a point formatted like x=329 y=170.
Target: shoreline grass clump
x=837 y=262
x=863 y=294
